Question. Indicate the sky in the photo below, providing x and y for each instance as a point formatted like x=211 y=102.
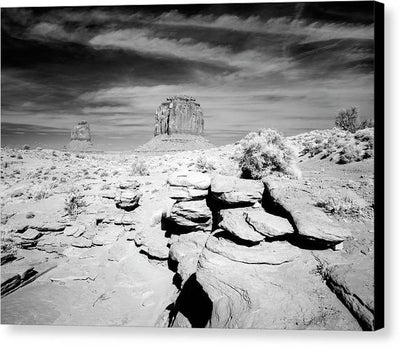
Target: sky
x=287 y=66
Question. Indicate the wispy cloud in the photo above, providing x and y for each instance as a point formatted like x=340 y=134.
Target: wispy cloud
x=309 y=30
x=144 y=41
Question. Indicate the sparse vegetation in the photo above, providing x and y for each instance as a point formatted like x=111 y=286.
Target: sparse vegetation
x=42 y=192
x=350 y=153
x=139 y=167
x=336 y=144
x=74 y=202
x=8 y=244
x=264 y=152
x=342 y=204
x=349 y=120
x=203 y=164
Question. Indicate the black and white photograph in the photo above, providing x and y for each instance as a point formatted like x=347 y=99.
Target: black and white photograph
x=193 y=165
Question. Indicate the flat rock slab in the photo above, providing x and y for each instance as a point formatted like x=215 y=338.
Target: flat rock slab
x=310 y=222
x=82 y=242
x=186 y=194
x=232 y=191
x=192 y=215
x=271 y=253
x=233 y=221
x=268 y=224
x=31 y=234
x=188 y=179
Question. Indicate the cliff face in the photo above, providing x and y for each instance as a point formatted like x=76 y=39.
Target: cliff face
x=81 y=132
x=179 y=115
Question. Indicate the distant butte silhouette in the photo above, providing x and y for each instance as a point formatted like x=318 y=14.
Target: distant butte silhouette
x=179 y=115
x=81 y=139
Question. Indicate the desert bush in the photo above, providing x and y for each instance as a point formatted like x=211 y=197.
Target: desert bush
x=263 y=152
x=348 y=120
x=341 y=205
x=8 y=244
x=139 y=167
x=365 y=136
x=41 y=192
x=74 y=202
x=203 y=164
x=350 y=153
x=369 y=123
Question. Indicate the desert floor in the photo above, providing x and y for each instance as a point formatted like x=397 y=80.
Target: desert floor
x=117 y=262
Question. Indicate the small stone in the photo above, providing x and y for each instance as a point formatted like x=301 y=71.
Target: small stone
x=31 y=234
x=82 y=242
x=30 y=215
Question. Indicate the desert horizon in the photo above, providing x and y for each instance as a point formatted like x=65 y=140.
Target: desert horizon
x=289 y=66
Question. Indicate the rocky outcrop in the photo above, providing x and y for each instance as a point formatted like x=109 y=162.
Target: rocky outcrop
x=179 y=115
x=268 y=224
x=268 y=285
x=230 y=191
x=128 y=196
x=233 y=221
x=192 y=215
x=195 y=180
x=81 y=139
x=81 y=132
x=309 y=222
x=185 y=251
x=189 y=191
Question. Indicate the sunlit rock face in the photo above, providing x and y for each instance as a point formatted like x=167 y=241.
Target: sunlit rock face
x=179 y=115
x=81 y=132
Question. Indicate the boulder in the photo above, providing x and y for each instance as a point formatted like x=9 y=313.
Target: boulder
x=185 y=251
x=188 y=179
x=192 y=215
x=268 y=286
x=309 y=221
x=233 y=221
x=128 y=196
x=179 y=115
x=231 y=191
x=268 y=224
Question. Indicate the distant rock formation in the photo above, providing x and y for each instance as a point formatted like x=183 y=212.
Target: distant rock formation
x=179 y=115
x=81 y=132
x=80 y=137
